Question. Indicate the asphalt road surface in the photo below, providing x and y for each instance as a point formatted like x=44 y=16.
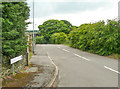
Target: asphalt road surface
x=82 y=69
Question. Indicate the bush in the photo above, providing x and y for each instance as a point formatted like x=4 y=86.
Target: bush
x=14 y=16
x=40 y=40
x=97 y=38
x=74 y=38
x=58 y=38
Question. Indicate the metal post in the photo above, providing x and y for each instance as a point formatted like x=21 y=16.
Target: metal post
x=19 y=66
x=27 y=59
x=13 y=69
x=118 y=10
x=119 y=37
x=33 y=27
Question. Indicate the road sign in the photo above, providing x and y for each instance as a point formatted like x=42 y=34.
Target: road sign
x=16 y=59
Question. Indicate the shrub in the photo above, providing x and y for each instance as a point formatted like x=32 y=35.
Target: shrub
x=58 y=38
x=14 y=16
x=40 y=40
x=97 y=38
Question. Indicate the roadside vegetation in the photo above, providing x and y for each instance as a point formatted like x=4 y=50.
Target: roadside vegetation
x=14 y=15
x=14 y=40
x=99 y=38
x=48 y=28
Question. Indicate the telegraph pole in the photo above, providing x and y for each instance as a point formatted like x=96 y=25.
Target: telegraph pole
x=118 y=10
x=118 y=38
x=33 y=29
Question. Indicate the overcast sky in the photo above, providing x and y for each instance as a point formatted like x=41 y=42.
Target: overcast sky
x=77 y=12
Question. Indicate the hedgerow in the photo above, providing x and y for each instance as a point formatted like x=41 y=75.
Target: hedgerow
x=14 y=15
x=97 y=38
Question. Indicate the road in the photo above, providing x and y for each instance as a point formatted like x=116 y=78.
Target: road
x=82 y=69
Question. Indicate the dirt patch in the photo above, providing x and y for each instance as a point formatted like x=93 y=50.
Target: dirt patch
x=19 y=80
x=30 y=79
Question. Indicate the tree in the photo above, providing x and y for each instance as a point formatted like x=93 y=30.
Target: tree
x=53 y=26
x=68 y=24
x=14 y=15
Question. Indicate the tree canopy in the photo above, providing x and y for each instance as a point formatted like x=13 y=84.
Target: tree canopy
x=54 y=26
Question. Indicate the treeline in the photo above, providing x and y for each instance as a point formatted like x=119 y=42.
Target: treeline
x=14 y=15
x=48 y=28
x=98 y=37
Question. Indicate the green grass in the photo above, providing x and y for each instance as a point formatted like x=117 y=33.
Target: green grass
x=30 y=56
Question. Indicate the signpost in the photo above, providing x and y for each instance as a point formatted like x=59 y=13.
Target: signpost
x=15 y=60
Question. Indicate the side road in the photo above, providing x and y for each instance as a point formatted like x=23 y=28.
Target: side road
x=47 y=74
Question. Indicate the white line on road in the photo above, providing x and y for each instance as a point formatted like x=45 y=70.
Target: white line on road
x=81 y=57
x=56 y=72
x=65 y=50
x=112 y=69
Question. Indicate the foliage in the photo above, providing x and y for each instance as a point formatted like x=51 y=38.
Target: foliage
x=54 y=26
x=40 y=40
x=58 y=38
x=97 y=38
x=68 y=24
x=14 y=15
x=93 y=37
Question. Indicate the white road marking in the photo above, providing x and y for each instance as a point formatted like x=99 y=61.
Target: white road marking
x=65 y=50
x=112 y=69
x=81 y=57
x=56 y=73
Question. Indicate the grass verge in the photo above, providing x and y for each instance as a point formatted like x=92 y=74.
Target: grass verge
x=115 y=56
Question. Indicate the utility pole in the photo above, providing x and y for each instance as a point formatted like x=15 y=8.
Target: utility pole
x=118 y=10
x=33 y=29
x=118 y=38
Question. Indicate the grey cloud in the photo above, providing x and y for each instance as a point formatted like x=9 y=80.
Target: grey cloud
x=43 y=9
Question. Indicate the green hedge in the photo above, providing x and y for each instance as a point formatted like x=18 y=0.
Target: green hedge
x=14 y=16
x=97 y=38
